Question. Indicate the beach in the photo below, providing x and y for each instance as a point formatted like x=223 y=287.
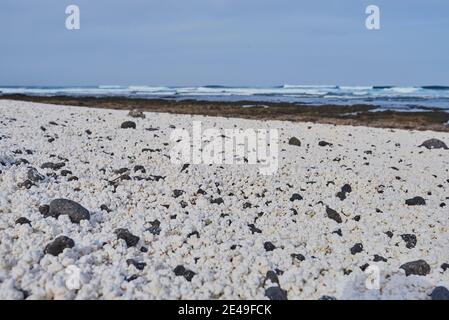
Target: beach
x=353 y=197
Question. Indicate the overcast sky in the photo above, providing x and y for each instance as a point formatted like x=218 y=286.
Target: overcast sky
x=229 y=42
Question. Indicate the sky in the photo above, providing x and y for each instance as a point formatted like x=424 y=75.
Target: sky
x=224 y=42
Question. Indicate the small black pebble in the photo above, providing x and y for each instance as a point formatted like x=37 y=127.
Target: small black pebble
x=58 y=245
x=128 y=125
x=298 y=256
x=137 y=265
x=410 y=240
x=295 y=197
x=419 y=268
x=272 y=276
x=332 y=214
x=416 y=201
x=104 y=207
x=269 y=246
x=23 y=220
x=440 y=293
x=130 y=239
x=276 y=293
x=327 y=298
x=217 y=201
x=357 y=248
x=253 y=229
x=378 y=258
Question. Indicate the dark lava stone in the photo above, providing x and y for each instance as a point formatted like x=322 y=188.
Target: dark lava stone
x=217 y=201
x=298 y=256
x=247 y=205
x=276 y=293
x=183 y=204
x=124 y=234
x=389 y=234
x=26 y=184
x=440 y=293
x=410 y=240
x=74 y=210
x=132 y=278
x=139 y=168
x=137 y=265
x=34 y=175
x=324 y=144
x=179 y=270
x=357 y=218
x=419 y=268
x=155 y=227
x=253 y=229
x=357 y=248
x=58 y=245
x=73 y=178
x=416 y=201
x=434 y=144
x=272 y=276
x=294 y=142
x=269 y=246
x=338 y=231
x=182 y=271
x=23 y=220
x=445 y=266
x=189 y=274
x=327 y=298
x=194 y=233
x=332 y=214
x=65 y=172
x=344 y=190
x=128 y=125
x=364 y=267
x=53 y=166
x=144 y=249
x=177 y=193
x=104 y=207
x=378 y=258
x=295 y=196
x=44 y=210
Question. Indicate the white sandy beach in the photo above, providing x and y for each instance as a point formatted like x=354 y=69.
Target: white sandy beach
x=312 y=246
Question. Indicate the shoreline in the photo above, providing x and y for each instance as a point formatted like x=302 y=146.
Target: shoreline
x=354 y=115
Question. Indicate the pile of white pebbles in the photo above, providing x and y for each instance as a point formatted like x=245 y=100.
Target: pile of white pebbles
x=92 y=207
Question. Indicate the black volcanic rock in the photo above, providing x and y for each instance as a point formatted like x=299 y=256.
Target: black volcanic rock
x=416 y=201
x=434 y=144
x=58 y=245
x=294 y=142
x=74 y=210
x=419 y=268
x=130 y=239
x=128 y=125
x=332 y=214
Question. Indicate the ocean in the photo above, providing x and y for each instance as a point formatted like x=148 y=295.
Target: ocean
x=405 y=99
